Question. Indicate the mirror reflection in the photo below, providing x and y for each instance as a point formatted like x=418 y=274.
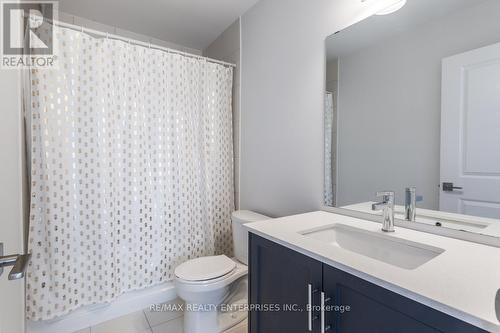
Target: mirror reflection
x=414 y=97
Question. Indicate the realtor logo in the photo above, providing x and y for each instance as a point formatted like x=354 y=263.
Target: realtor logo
x=28 y=34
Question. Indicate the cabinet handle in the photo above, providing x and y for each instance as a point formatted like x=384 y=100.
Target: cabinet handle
x=324 y=328
x=309 y=308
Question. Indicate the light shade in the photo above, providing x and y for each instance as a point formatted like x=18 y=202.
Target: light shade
x=392 y=8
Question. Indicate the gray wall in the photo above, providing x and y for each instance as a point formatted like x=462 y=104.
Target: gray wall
x=332 y=75
x=283 y=84
x=390 y=106
x=227 y=48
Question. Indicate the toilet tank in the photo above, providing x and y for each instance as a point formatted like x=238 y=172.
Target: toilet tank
x=240 y=234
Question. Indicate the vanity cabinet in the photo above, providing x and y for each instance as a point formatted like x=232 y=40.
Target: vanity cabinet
x=282 y=276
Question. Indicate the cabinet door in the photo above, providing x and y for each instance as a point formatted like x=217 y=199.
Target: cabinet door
x=283 y=278
x=377 y=310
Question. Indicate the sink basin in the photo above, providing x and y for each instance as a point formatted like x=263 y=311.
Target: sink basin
x=391 y=250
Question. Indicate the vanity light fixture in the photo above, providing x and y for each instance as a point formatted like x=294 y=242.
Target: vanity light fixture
x=392 y=8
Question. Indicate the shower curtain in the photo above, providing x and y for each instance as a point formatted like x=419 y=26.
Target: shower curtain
x=131 y=170
x=329 y=149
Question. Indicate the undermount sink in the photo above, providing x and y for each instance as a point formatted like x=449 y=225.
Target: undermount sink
x=391 y=250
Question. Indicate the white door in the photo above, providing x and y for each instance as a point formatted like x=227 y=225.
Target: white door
x=11 y=202
x=470 y=133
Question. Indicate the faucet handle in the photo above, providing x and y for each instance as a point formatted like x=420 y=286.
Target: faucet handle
x=411 y=191
x=388 y=196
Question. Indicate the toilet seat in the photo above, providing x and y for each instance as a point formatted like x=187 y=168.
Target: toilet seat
x=205 y=269
x=237 y=273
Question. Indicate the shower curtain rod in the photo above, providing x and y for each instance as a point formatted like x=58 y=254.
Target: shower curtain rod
x=137 y=42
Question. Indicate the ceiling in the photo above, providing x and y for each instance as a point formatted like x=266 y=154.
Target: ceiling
x=191 y=23
x=377 y=28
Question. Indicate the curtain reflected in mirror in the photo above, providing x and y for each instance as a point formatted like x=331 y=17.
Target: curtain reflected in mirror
x=329 y=151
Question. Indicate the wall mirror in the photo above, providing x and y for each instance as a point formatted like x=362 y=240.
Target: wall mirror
x=413 y=100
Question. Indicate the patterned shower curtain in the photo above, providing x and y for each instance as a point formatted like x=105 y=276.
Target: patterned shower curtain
x=131 y=170
x=328 y=194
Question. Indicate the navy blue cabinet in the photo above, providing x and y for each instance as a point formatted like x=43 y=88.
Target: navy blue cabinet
x=281 y=276
x=282 y=283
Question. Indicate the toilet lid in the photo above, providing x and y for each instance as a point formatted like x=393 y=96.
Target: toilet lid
x=205 y=268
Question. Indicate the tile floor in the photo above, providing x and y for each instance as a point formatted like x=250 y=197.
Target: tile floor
x=147 y=321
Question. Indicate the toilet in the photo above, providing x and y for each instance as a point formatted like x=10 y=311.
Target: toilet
x=207 y=282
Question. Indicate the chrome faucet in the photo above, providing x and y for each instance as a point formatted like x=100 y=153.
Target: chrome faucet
x=411 y=200
x=387 y=206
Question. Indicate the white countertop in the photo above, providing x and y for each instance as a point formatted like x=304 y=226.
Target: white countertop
x=462 y=282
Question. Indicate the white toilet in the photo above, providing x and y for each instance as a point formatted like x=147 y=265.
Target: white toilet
x=206 y=283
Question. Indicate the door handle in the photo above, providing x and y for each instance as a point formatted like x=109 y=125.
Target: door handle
x=324 y=300
x=450 y=187
x=310 y=318
x=18 y=261
x=309 y=308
